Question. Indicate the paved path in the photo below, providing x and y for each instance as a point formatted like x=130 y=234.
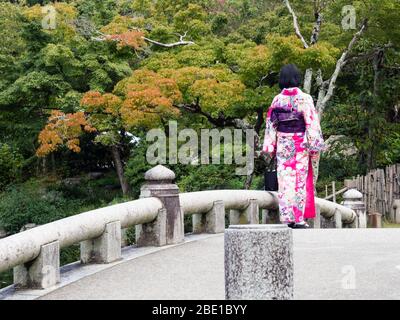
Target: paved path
x=329 y=264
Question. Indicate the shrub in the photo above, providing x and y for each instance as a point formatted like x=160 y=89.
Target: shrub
x=18 y=209
x=24 y=204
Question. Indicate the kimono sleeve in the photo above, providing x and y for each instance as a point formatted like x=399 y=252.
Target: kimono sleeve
x=269 y=145
x=315 y=140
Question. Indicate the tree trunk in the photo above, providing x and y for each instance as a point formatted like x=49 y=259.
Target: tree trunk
x=53 y=164
x=120 y=170
x=377 y=66
x=44 y=165
x=308 y=80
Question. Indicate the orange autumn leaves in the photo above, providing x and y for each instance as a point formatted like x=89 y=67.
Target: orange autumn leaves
x=63 y=129
x=133 y=39
x=95 y=102
x=149 y=98
x=140 y=101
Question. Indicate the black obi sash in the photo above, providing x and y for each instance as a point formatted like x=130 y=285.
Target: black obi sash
x=289 y=121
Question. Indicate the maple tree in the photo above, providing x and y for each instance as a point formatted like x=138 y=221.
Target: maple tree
x=63 y=129
x=133 y=39
x=141 y=101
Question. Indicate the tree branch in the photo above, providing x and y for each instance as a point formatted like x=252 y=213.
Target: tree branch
x=367 y=55
x=322 y=85
x=296 y=24
x=317 y=28
x=339 y=65
x=270 y=78
x=221 y=121
x=181 y=42
x=308 y=80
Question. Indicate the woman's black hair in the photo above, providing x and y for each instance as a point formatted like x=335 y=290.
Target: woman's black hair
x=290 y=77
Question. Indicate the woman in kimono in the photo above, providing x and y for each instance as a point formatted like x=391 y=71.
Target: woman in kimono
x=293 y=134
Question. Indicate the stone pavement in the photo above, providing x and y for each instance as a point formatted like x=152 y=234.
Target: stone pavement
x=329 y=264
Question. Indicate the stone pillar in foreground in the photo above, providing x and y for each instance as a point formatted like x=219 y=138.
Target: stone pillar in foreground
x=258 y=262
x=168 y=227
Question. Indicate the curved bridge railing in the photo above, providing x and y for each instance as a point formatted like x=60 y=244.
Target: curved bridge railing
x=202 y=201
x=25 y=246
x=159 y=219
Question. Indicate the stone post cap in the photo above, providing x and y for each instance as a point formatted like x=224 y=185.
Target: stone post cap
x=352 y=194
x=159 y=173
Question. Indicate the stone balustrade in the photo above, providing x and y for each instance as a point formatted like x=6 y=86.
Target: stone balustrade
x=158 y=216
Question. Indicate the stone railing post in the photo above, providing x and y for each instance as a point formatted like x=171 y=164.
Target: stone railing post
x=316 y=222
x=168 y=226
x=317 y=219
x=212 y=221
x=104 y=249
x=352 y=199
x=329 y=223
x=265 y=218
x=250 y=215
x=338 y=219
x=41 y=273
x=270 y=216
x=259 y=262
x=334 y=222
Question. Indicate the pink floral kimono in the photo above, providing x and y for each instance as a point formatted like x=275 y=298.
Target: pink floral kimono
x=297 y=155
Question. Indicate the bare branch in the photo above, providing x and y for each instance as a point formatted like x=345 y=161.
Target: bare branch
x=339 y=65
x=367 y=55
x=322 y=85
x=181 y=42
x=296 y=24
x=308 y=80
x=263 y=78
x=319 y=78
x=221 y=121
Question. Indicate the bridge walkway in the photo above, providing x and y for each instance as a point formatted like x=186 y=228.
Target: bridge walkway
x=329 y=264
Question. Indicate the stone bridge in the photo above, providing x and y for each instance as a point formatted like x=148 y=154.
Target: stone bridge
x=345 y=261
